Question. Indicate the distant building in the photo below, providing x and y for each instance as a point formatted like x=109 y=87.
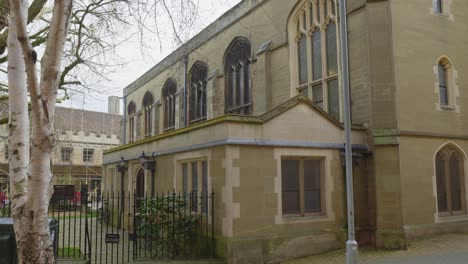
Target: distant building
x=82 y=136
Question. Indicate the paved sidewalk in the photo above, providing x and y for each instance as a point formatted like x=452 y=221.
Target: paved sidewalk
x=450 y=249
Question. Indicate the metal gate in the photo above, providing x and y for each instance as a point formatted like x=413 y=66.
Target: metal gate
x=111 y=228
x=120 y=229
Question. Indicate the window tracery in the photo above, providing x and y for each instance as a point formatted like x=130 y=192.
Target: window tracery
x=238 y=98
x=169 y=100
x=315 y=45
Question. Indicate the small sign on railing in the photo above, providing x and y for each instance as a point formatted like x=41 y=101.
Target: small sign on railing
x=112 y=238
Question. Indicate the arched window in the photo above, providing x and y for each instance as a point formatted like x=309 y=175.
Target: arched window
x=443 y=69
x=315 y=68
x=237 y=62
x=197 y=93
x=131 y=110
x=168 y=94
x=450 y=180
x=147 y=107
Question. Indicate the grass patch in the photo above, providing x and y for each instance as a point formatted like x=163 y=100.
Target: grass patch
x=69 y=253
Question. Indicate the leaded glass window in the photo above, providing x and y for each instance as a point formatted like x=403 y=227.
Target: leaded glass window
x=131 y=110
x=197 y=93
x=148 y=102
x=317 y=54
x=443 y=92
x=237 y=62
x=302 y=186
x=169 y=100
x=450 y=181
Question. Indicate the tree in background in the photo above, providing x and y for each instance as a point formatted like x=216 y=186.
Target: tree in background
x=92 y=23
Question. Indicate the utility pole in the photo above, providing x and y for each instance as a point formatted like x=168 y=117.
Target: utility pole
x=351 y=244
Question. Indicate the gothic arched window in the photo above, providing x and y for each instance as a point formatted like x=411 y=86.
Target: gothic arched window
x=450 y=181
x=315 y=38
x=131 y=110
x=197 y=94
x=237 y=60
x=147 y=108
x=169 y=97
x=444 y=69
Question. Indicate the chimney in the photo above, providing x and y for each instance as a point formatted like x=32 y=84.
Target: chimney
x=113 y=105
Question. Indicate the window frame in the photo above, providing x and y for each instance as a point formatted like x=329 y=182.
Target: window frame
x=238 y=58
x=197 y=92
x=86 y=156
x=169 y=92
x=131 y=110
x=64 y=154
x=148 y=101
x=445 y=154
x=201 y=189
x=438 y=7
x=302 y=213
x=313 y=18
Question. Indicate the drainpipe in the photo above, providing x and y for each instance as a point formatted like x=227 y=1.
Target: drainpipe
x=185 y=61
x=124 y=98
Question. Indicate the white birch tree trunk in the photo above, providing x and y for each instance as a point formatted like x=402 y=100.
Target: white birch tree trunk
x=19 y=128
x=31 y=218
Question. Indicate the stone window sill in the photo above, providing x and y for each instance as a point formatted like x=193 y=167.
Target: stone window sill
x=306 y=218
x=452 y=218
x=447 y=108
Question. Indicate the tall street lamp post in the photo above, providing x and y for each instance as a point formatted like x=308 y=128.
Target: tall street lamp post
x=351 y=244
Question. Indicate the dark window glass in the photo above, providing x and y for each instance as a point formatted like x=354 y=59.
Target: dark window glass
x=195 y=186
x=312 y=184
x=204 y=171
x=147 y=107
x=443 y=93
x=304 y=91
x=168 y=92
x=441 y=184
x=317 y=93
x=332 y=60
x=316 y=56
x=197 y=93
x=438 y=6
x=238 y=90
x=302 y=53
x=290 y=185
x=131 y=110
x=455 y=183
x=334 y=99
x=88 y=154
x=66 y=153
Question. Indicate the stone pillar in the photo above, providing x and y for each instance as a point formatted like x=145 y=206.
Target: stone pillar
x=178 y=99
x=261 y=89
x=138 y=134
x=383 y=129
x=210 y=86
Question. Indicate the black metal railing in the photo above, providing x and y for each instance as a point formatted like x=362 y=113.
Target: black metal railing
x=174 y=225
x=112 y=228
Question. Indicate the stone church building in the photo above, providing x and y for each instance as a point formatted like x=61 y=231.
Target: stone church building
x=251 y=108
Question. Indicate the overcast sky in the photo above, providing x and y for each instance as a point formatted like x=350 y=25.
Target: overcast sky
x=140 y=61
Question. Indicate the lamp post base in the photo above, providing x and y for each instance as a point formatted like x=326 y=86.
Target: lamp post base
x=351 y=252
